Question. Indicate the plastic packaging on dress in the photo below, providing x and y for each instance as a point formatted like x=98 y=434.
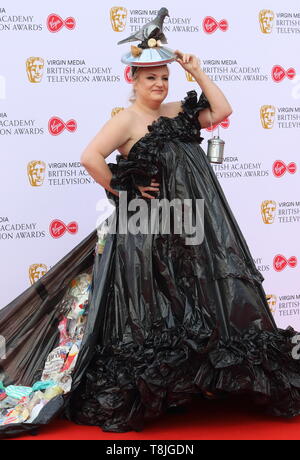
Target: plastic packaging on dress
x=47 y=341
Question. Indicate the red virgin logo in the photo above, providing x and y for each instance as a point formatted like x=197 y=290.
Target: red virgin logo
x=280 y=262
x=211 y=25
x=57 y=228
x=127 y=74
x=224 y=124
x=56 y=126
x=279 y=73
x=55 y=23
x=280 y=168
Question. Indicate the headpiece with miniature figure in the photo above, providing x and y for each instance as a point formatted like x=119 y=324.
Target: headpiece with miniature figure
x=150 y=51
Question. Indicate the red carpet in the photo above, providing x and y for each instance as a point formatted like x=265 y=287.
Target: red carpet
x=204 y=420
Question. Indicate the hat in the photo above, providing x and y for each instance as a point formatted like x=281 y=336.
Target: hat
x=149 y=52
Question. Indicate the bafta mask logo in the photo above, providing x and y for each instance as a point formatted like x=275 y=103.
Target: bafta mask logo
x=266 y=19
x=36 y=271
x=189 y=76
x=268 y=211
x=272 y=302
x=118 y=17
x=267 y=116
x=116 y=110
x=36 y=173
x=35 y=69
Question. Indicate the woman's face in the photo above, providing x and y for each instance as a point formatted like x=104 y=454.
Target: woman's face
x=152 y=83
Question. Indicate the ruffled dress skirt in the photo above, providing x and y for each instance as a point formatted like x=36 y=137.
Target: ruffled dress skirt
x=166 y=321
x=179 y=320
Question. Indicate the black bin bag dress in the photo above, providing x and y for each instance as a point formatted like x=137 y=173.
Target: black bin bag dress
x=165 y=321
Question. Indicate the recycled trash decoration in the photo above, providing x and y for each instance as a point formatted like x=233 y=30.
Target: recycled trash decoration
x=49 y=338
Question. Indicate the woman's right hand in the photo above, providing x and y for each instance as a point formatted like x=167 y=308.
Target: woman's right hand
x=152 y=187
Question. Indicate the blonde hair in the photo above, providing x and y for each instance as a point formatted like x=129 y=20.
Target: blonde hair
x=134 y=72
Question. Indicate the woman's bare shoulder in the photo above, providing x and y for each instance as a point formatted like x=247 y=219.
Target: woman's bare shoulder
x=171 y=109
x=125 y=115
x=168 y=109
x=121 y=121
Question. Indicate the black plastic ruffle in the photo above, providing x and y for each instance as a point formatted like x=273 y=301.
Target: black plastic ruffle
x=141 y=165
x=133 y=383
x=192 y=106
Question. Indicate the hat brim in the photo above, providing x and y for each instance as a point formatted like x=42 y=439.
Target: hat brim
x=150 y=57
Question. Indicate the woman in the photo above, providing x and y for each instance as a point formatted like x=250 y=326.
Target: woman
x=168 y=318
x=151 y=85
x=182 y=319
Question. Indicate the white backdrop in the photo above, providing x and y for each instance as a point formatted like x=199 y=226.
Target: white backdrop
x=76 y=80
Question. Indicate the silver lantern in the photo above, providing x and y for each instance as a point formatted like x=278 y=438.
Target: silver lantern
x=215 y=150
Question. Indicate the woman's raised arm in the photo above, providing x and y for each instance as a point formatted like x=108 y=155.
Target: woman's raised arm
x=219 y=105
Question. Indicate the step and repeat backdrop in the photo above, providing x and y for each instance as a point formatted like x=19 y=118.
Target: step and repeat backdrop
x=61 y=79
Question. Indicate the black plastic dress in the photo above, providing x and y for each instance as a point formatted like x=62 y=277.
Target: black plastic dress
x=167 y=321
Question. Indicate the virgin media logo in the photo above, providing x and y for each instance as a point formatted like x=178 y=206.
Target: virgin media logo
x=57 y=228
x=127 y=74
x=280 y=262
x=211 y=25
x=280 y=168
x=55 y=23
x=56 y=126
x=224 y=124
x=279 y=73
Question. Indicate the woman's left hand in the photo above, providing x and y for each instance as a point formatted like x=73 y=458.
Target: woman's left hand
x=189 y=62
